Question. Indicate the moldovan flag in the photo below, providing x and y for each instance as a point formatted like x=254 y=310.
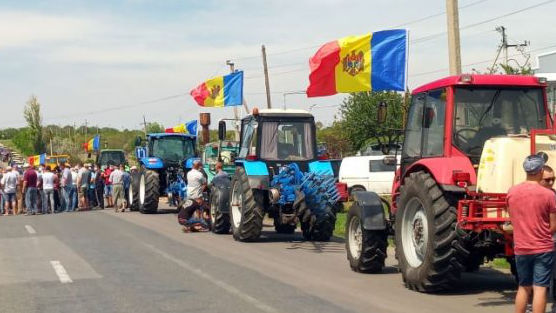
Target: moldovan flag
x=375 y=61
x=221 y=91
x=37 y=160
x=93 y=144
x=189 y=128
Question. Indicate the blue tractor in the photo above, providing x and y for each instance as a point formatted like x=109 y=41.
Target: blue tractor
x=278 y=174
x=164 y=161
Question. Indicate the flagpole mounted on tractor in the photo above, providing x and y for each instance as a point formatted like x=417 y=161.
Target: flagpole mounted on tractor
x=266 y=82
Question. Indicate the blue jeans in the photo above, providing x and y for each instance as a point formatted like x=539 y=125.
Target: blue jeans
x=31 y=199
x=48 y=199
x=68 y=198
x=73 y=197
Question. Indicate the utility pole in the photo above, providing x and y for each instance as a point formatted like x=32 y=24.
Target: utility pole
x=236 y=113
x=266 y=83
x=145 y=126
x=504 y=45
x=86 y=130
x=453 y=37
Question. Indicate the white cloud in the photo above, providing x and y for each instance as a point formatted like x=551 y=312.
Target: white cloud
x=20 y=28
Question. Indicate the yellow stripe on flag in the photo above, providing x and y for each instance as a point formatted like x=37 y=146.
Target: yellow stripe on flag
x=215 y=87
x=353 y=73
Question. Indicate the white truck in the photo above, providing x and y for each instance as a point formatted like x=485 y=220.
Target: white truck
x=368 y=173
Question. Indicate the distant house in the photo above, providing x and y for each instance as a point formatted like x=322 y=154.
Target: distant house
x=546 y=67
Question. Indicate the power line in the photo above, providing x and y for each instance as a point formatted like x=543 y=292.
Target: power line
x=395 y=26
x=439 y=34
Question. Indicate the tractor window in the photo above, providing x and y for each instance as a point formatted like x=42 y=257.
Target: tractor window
x=172 y=148
x=287 y=141
x=484 y=113
x=249 y=139
x=433 y=132
x=412 y=143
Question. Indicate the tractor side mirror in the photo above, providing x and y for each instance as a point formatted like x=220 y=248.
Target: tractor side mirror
x=389 y=160
x=137 y=141
x=382 y=112
x=428 y=118
x=221 y=130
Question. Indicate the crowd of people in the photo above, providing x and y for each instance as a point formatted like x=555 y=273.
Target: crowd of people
x=34 y=190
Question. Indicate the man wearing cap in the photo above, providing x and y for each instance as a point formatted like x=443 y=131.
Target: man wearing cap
x=30 y=179
x=532 y=209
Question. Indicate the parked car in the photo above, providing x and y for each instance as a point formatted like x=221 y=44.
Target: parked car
x=368 y=173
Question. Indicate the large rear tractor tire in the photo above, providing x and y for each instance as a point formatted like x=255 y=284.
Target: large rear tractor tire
x=366 y=249
x=429 y=254
x=320 y=226
x=247 y=214
x=133 y=198
x=149 y=186
x=220 y=221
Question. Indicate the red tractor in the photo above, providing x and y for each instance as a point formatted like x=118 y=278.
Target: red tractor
x=465 y=139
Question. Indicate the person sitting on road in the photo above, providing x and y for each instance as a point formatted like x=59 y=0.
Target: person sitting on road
x=532 y=210
x=193 y=211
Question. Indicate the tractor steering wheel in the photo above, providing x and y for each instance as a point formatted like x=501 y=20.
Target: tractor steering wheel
x=460 y=139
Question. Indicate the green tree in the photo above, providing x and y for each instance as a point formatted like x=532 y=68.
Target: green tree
x=359 y=116
x=335 y=138
x=32 y=114
x=154 y=127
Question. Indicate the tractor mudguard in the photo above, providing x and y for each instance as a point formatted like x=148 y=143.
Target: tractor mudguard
x=372 y=212
x=152 y=163
x=321 y=167
x=257 y=174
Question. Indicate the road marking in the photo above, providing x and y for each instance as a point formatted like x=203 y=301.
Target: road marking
x=61 y=272
x=229 y=288
x=30 y=229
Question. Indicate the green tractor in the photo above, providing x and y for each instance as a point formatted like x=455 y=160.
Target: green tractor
x=222 y=151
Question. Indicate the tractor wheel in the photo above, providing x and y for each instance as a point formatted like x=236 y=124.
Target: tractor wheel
x=474 y=261
x=220 y=221
x=427 y=247
x=319 y=227
x=149 y=185
x=247 y=213
x=366 y=249
x=283 y=228
x=133 y=197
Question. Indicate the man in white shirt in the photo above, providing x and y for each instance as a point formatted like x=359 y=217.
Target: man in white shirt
x=48 y=181
x=9 y=183
x=117 y=180
x=196 y=182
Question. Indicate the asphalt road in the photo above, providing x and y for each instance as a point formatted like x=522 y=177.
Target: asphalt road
x=101 y=261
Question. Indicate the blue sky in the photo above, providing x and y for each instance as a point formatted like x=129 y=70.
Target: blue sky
x=82 y=59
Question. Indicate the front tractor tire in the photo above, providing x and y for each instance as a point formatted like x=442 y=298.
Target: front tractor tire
x=247 y=213
x=426 y=241
x=366 y=249
x=149 y=187
x=220 y=220
x=133 y=195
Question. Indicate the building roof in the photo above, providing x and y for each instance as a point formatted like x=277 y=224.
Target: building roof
x=484 y=80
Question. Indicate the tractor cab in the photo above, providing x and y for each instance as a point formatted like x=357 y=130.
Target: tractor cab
x=450 y=120
x=279 y=137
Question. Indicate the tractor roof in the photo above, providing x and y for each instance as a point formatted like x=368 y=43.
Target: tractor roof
x=481 y=80
x=171 y=135
x=282 y=112
x=112 y=150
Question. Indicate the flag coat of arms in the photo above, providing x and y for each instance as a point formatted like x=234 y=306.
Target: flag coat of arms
x=375 y=61
x=221 y=91
x=189 y=128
